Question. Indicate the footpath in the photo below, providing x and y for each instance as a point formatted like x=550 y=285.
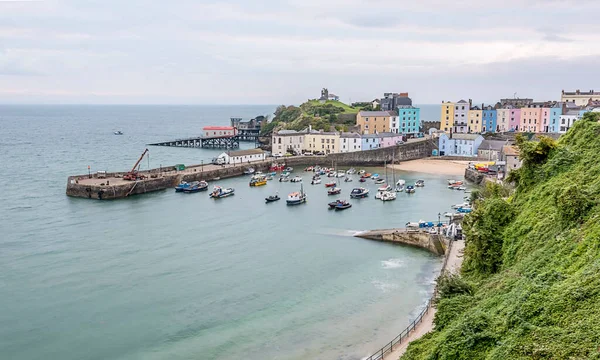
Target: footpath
x=455 y=258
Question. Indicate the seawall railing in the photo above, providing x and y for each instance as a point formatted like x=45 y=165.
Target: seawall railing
x=403 y=336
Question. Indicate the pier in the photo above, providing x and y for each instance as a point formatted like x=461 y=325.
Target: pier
x=226 y=142
x=421 y=238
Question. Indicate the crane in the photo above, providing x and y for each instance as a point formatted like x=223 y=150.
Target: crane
x=133 y=174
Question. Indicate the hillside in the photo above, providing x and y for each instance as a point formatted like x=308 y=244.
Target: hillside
x=321 y=116
x=530 y=284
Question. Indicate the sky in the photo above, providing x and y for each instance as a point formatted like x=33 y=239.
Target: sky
x=285 y=51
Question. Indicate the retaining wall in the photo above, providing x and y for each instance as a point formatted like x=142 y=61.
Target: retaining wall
x=434 y=243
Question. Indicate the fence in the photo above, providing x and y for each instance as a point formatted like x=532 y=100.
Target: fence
x=389 y=347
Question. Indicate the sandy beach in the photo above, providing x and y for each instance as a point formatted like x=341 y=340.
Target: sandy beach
x=455 y=259
x=432 y=166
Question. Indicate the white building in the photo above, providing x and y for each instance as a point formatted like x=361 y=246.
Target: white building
x=459 y=144
x=288 y=139
x=243 y=156
x=350 y=142
x=567 y=120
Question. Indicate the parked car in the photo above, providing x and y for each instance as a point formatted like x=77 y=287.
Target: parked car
x=320 y=153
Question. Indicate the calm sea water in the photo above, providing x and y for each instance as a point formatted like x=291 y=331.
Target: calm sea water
x=181 y=276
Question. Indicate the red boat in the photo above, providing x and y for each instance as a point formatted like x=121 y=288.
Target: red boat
x=277 y=167
x=330 y=184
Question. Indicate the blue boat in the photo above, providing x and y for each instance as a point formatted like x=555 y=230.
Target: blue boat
x=410 y=189
x=464 y=210
x=196 y=186
x=359 y=193
x=342 y=205
x=182 y=186
x=219 y=192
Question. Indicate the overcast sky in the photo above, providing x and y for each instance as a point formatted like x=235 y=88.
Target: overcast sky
x=285 y=51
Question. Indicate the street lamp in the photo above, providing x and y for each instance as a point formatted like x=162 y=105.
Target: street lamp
x=89 y=172
x=439 y=221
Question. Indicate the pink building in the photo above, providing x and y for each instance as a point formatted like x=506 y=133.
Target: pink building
x=545 y=121
x=515 y=118
x=389 y=139
x=531 y=117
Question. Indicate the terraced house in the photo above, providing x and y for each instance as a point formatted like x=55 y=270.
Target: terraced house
x=447 y=116
x=371 y=122
x=409 y=121
x=474 y=116
x=461 y=112
x=349 y=142
x=322 y=141
x=285 y=141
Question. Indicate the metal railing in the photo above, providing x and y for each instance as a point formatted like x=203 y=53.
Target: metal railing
x=389 y=347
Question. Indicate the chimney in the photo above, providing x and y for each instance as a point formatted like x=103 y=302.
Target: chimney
x=578 y=92
x=309 y=128
x=470 y=103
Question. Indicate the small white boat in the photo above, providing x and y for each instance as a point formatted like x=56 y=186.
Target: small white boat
x=375 y=176
x=296 y=179
x=388 y=196
x=348 y=179
x=420 y=183
x=118 y=132
x=385 y=188
x=341 y=174
x=461 y=188
x=351 y=171
x=400 y=183
x=410 y=189
x=361 y=172
x=456 y=206
x=379 y=181
x=315 y=181
x=219 y=192
x=249 y=171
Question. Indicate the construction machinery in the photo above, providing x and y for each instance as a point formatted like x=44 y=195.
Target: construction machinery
x=134 y=173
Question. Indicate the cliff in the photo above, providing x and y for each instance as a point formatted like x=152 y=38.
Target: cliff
x=529 y=287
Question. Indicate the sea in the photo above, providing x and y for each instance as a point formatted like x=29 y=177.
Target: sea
x=180 y=276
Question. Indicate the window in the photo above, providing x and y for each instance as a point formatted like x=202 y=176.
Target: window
x=323 y=141
x=344 y=140
x=279 y=141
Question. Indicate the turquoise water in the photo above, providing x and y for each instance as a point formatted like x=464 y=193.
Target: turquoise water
x=182 y=276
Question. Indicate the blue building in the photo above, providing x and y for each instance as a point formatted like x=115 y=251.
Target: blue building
x=370 y=141
x=409 y=121
x=459 y=144
x=489 y=120
x=555 y=113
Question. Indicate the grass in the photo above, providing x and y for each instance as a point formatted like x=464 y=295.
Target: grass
x=533 y=263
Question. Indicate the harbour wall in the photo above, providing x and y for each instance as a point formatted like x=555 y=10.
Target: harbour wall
x=113 y=187
x=434 y=243
x=477 y=177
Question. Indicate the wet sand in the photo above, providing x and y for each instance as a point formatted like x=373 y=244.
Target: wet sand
x=434 y=166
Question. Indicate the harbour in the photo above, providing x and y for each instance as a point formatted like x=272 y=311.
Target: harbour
x=283 y=281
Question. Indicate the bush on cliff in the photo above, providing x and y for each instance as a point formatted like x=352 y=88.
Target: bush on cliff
x=532 y=262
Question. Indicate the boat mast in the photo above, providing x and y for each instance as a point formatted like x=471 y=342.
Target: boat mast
x=393 y=169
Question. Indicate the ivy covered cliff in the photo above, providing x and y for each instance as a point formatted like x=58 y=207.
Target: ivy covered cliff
x=530 y=282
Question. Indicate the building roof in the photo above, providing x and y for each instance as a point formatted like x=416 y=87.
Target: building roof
x=475 y=108
x=246 y=152
x=289 y=133
x=317 y=132
x=374 y=113
x=574 y=112
x=370 y=136
x=577 y=92
x=217 y=128
x=388 y=134
x=510 y=150
x=495 y=145
x=350 y=135
x=462 y=102
x=465 y=136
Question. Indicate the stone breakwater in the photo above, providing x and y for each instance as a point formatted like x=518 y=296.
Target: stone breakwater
x=434 y=243
x=114 y=187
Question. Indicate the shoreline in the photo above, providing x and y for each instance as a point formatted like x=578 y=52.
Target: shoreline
x=453 y=264
x=433 y=166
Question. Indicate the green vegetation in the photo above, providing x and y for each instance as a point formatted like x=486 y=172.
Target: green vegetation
x=530 y=282
x=321 y=116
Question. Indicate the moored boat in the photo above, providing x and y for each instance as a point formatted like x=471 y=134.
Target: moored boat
x=420 y=183
x=341 y=174
x=342 y=205
x=375 y=176
x=361 y=172
x=385 y=188
x=249 y=171
x=330 y=184
x=289 y=169
x=258 y=180
x=351 y=171
x=296 y=198
x=379 y=181
x=219 y=192
x=334 y=191
x=276 y=167
x=362 y=179
x=333 y=204
x=310 y=168
x=194 y=187
x=182 y=186
x=410 y=189
x=358 y=193
x=388 y=196
x=348 y=179
x=315 y=181
x=296 y=179
x=119 y=132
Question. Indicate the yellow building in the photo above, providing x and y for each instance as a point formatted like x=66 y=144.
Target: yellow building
x=372 y=122
x=447 y=116
x=474 y=119
x=320 y=141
